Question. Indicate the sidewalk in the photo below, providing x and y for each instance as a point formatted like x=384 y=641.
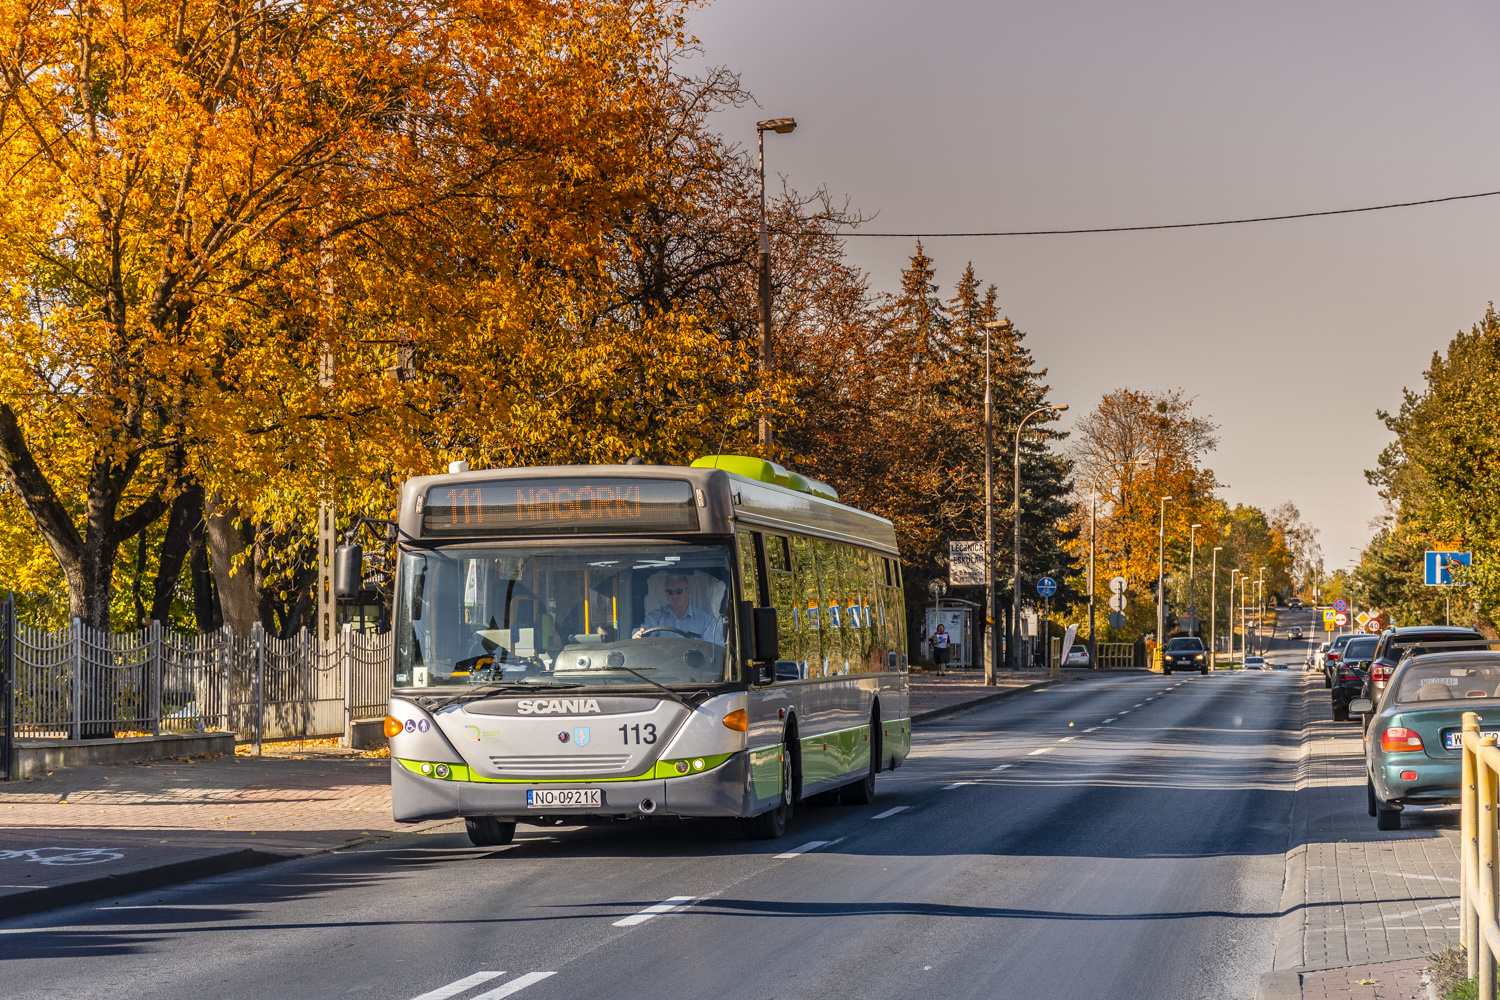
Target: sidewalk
x=934 y=694
x=1361 y=909
x=85 y=833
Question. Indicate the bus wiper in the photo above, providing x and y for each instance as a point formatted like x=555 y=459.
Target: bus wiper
x=433 y=703
x=658 y=684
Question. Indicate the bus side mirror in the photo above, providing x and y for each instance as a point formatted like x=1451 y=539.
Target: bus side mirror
x=767 y=634
x=348 y=572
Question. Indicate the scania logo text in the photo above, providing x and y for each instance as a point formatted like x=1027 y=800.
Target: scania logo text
x=557 y=706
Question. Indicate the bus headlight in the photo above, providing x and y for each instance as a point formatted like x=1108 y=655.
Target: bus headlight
x=738 y=720
x=392 y=726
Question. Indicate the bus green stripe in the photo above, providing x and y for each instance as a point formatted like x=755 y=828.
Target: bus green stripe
x=662 y=769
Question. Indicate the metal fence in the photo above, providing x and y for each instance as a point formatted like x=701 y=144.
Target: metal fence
x=84 y=683
x=1116 y=656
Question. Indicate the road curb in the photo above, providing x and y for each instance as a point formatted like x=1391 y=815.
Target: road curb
x=983 y=699
x=53 y=897
x=1284 y=982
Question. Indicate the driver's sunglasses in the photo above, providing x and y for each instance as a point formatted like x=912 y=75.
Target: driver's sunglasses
x=674 y=591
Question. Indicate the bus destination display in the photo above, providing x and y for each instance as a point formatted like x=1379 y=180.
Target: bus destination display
x=565 y=505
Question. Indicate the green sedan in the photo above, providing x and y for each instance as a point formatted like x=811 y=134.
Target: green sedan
x=1412 y=746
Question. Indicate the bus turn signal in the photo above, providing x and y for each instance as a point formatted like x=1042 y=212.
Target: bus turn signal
x=738 y=720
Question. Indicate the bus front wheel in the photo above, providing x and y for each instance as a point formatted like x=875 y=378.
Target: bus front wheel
x=772 y=823
x=489 y=831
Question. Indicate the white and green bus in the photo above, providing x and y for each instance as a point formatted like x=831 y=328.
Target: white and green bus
x=598 y=643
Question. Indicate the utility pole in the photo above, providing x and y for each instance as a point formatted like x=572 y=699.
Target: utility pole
x=1260 y=611
x=1093 y=530
x=992 y=634
x=1213 y=609
x=1161 y=595
x=781 y=126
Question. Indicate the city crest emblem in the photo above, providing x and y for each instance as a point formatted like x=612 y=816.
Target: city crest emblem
x=581 y=737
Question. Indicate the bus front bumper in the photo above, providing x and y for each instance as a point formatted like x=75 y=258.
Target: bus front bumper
x=723 y=791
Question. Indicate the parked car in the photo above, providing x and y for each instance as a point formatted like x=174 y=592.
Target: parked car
x=1184 y=652
x=1353 y=668
x=1078 y=656
x=1412 y=752
x=1331 y=656
x=1396 y=644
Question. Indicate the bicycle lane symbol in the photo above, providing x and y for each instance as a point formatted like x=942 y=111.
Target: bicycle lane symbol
x=64 y=855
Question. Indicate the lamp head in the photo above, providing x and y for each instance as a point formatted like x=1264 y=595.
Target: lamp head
x=1165 y=499
x=1060 y=407
x=781 y=126
x=1197 y=526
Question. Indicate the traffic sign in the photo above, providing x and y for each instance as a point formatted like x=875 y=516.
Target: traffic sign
x=1439 y=567
x=1117 y=602
x=1117 y=585
x=1116 y=620
x=1188 y=623
x=1341 y=605
x=1362 y=617
x=1373 y=626
x=1046 y=586
x=1340 y=619
x=1328 y=618
x=966 y=564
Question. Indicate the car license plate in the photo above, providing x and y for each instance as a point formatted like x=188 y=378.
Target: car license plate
x=563 y=798
x=1454 y=738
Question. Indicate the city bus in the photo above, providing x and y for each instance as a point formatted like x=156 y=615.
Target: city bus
x=599 y=643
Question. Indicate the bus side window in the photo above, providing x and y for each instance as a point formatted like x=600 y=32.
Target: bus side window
x=809 y=606
x=834 y=650
x=783 y=592
x=751 y=589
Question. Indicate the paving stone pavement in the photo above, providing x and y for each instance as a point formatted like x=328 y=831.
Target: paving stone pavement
x=1358 y=900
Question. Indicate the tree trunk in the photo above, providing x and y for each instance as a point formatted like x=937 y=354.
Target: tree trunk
x=184 y=523
x=206 y=613
x=235 y=584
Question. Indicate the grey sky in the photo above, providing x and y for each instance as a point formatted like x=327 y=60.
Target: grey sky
x=1054 y=114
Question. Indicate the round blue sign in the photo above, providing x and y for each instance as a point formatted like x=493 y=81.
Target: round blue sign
x=1046 y=586
x=1341 y=605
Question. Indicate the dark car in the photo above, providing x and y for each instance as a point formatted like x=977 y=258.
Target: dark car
x=1353 y=668
x=1295 y=602
x=1185 y=652
x=1396 y=644
x=1331 y=657
x=1413 y=749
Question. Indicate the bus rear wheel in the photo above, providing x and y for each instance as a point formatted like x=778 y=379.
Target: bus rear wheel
x=862 y=792
x=489 y=831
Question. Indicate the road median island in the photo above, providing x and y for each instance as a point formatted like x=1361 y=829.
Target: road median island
x=87 y=833
x=1362 y=910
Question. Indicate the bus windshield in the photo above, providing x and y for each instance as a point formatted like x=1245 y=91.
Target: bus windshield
x=563 y=616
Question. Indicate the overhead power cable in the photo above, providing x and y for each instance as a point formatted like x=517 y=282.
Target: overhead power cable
x=1183 y=225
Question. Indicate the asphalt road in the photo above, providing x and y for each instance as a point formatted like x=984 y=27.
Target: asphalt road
x=1115 y=836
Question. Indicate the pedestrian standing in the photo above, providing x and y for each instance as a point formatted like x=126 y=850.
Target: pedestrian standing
x=939 y=641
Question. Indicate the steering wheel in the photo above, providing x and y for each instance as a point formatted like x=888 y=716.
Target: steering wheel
x=665 y=628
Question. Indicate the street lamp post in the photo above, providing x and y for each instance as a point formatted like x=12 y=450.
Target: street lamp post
x=991 y=635
x=1244 y=624
x=1213 y=608
x=781 y=126
x=1192 y=599
x=1015 y=597
x=1161 y=547
x=1233 y=577
x=1260 y=610
x=1093 y=530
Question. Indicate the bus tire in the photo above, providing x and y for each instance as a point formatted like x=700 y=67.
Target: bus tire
x=772 y=823
x=489 y=831
x=862 y=792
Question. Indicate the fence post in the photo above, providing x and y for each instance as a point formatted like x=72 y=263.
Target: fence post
x=1487 y=837
x=258 y=637
x=75 y=681
x=1468 y=847
x=153 y=643
x=222 y=648
x=346 y=670
x=7 y=686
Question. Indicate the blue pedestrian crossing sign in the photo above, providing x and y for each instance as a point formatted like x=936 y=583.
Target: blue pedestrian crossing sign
x=1440 y=568
x=1046 y=586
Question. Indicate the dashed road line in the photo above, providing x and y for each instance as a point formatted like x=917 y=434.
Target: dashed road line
x=1126 y=712
x=891 y=812
x=1039 y=750
x=515 y=986
x=1000 y=768
x=957 y=784
x=453 y=989
x=1067 y=738
x=668 y=905
x=1091 y=729
x=1108 y=721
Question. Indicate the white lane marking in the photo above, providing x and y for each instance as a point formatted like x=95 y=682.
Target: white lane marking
x=1000 y=768
x=1150 y=699
x=668 y=905
x=515 y=986
x=957 y=784
x=1126 y=712
x=1136 y=705
x=1091 y=729
x=1067 y=738
x=1040 y=750
x=453 y=989
x=891 y=812
x=1107 y=721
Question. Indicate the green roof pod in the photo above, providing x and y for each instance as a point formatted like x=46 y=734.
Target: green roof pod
x=821 y=489
x=748 y=466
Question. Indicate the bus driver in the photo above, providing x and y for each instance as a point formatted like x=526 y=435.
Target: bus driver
x=679 y=614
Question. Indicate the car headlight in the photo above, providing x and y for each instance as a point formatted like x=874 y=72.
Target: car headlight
x=1198 y=657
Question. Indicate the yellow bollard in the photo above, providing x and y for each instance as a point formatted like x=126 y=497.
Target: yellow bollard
x=1468 y=934
x=1485 y=819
